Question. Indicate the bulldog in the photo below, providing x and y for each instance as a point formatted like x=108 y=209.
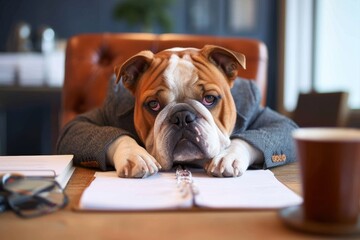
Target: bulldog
x=184 y=113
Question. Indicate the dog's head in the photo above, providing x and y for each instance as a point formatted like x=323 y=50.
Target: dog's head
x=184 y=110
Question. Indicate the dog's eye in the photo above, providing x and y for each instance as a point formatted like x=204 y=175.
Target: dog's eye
x=209 y=100
x=154 y=105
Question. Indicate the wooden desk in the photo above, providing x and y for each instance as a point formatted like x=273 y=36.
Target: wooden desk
x=193 y=224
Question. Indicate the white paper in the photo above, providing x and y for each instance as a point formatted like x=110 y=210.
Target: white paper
x=109 y=192
x=255 y=189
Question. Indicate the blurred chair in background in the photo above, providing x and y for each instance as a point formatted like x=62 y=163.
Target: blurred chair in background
x=321 y=109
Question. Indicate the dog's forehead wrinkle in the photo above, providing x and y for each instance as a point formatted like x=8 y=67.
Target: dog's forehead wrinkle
x=180 y=75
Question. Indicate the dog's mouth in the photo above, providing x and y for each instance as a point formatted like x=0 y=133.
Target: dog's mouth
x=186 y=151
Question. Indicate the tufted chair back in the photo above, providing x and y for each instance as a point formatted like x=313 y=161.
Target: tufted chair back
x=91 y=58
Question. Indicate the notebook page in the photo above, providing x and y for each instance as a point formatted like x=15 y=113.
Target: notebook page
x=109 y=192
x=254 y=189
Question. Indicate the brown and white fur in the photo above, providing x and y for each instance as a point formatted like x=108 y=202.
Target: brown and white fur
x=184 y=113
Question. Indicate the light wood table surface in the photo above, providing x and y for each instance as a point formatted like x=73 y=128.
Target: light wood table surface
x=182 y=224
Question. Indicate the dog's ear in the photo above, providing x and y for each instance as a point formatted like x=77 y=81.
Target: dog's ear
x=132 y=69
x=226 y=60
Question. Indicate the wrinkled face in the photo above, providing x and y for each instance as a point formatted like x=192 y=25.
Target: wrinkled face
x=184 y=111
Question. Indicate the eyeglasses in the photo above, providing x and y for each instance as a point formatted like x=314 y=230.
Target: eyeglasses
x=30 y=197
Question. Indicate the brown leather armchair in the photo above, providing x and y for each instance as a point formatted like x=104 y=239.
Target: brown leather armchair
x=90 y=61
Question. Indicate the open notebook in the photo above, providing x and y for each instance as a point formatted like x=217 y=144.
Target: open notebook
x=256 y=189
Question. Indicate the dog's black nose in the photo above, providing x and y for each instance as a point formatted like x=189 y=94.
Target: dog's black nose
x=182 y=118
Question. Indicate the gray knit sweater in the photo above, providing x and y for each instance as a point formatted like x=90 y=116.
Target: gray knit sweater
x=88 y=136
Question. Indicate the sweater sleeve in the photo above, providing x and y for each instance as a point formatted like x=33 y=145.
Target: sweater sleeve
x=263 y=128
x=89 y=135
x=88 y=138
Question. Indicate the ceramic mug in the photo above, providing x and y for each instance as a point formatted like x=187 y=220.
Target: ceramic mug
x=329 y=161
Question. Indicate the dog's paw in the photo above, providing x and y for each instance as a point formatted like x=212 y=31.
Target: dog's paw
x=133 y=161
x=231 y=162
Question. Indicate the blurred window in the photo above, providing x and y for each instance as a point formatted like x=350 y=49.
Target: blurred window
x=322 y=50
